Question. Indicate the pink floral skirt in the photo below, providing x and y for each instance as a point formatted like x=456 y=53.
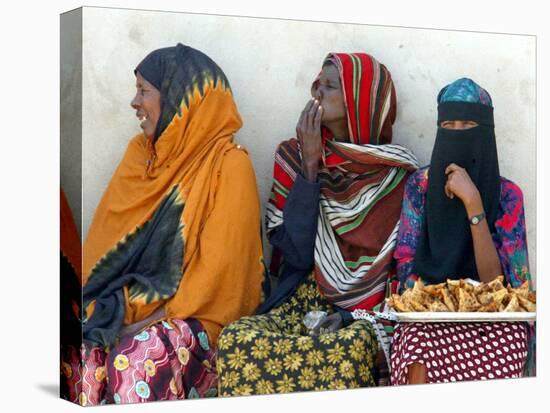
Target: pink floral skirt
x=168 y=361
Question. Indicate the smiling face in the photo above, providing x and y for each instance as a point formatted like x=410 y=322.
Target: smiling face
x=146 y=102
x=458 y=124
x=328 y=91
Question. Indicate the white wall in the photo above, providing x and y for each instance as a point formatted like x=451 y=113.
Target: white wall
x=270 y=65
x=71 y=112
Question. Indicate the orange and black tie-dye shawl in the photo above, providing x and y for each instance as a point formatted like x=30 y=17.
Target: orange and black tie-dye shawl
x=179 y=223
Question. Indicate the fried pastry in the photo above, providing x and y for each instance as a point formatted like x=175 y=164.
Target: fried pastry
x=499 y=296
x=418 y=293
x=416 y=306
x=523 y=290
x=513 y=305
x=489 y=308
x=484 y=298
x=526 y=304
x=496 y=284
x=397 y=303
x=462 y=296
x=435 y=290
x=467 y=301
x=449 y=300
x=437 y=306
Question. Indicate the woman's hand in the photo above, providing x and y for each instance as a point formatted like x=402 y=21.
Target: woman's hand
x=131 y=330
x=308 y=131
x=486 y=256
x=329 y=324
x=460 y=184
x=135 y=328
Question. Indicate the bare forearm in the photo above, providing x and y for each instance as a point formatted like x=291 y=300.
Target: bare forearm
x=310 y=170
x=459 y=184
x=486 y=256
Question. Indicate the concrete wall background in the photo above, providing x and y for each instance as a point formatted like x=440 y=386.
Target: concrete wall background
x=270 y=65
x=71 y=112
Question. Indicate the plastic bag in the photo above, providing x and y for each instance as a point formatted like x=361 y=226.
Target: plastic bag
x=313 y=319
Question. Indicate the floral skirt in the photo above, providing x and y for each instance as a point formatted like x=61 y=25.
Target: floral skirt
x=459 y=351
x=168 y=361
x=272 y=353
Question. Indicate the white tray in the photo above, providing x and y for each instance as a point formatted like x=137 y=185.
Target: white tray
x=452 y=317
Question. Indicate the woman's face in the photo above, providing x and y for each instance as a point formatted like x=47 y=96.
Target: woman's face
x=147 y=105
x=328 y=91
x=458 y=124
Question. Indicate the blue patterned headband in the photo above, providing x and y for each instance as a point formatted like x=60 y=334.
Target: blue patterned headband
x=464 y=90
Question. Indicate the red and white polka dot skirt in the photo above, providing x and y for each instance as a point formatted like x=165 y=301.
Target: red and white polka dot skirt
x=459 y=351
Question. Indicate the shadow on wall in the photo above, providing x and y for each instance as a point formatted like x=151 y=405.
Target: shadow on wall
x=51 y=389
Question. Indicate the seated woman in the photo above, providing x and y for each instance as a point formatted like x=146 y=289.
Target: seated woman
x=70 y=291
x=174 y=251
x=461 y=219
x=332 y=217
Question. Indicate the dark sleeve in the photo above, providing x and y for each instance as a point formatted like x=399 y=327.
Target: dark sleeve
x=347 y=318
x=295 y=238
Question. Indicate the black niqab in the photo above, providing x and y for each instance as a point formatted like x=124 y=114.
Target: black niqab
x=445 y=248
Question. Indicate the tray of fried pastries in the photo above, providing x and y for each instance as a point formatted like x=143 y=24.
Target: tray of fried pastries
x=464 y=300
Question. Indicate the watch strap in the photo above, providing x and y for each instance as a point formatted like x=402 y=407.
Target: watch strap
x=476 y=219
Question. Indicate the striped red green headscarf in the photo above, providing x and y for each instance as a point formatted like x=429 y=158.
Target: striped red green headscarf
x=369 y=96
x=362 y=183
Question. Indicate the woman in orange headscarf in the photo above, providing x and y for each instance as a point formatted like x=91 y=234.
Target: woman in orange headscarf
x=174 y=251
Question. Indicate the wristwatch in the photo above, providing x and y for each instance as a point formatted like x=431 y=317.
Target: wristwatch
x=476 y=219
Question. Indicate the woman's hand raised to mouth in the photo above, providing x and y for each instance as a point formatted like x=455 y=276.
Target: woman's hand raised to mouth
x=460 y=184
x=308 y=131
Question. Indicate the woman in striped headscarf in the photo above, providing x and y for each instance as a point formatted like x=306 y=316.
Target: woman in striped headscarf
x=332 y=219
x=174 y=250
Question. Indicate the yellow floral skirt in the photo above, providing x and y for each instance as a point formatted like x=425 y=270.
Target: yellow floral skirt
x=272 y=353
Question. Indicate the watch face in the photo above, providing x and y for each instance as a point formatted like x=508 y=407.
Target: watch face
x=475 y=220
